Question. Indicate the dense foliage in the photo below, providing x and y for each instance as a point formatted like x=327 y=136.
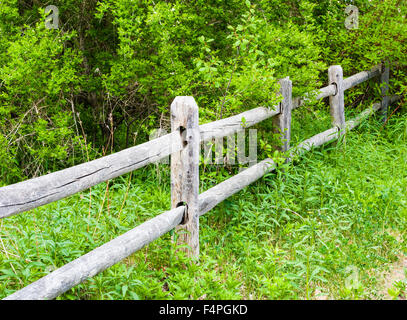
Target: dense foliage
x=107 y=76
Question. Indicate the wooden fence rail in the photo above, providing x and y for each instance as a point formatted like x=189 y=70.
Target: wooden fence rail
x=183 y=144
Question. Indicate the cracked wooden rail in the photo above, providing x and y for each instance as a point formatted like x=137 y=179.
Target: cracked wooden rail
x=112 y=252
x=39 y=191
x=225 y=127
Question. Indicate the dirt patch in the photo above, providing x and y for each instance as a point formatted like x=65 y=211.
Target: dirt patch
x=397 y=273
x=318 y=295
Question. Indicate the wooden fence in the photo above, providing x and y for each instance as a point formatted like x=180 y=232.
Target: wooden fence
x=183 y=144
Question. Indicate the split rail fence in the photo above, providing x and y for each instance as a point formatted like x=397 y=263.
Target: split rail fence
x=183 y=144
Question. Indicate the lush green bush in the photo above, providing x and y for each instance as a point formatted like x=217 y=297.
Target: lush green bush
x=39 y=75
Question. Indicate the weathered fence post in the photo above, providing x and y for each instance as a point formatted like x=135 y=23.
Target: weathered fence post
x=384 y=88
x=282 y=122
x=185 y=171
x=337 y=101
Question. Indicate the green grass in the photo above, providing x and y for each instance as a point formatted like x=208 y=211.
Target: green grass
x=339 y=213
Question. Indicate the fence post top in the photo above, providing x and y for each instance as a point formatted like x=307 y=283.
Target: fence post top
x=336 y=68
x=286 y=79
x=185 y=101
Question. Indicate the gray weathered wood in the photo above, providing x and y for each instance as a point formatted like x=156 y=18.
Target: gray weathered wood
x=99 y=259
x=353 y=123
x=384 y=88
x=210 y=198
x=366 y=113
x=315 y=141
x=282 y=122
x=348 y=83
x=332 y=133
x=326 y=136
x=337 y=101
x=185 y=171
x=394 y=99
x=326 y=91
x=39 y=191
x=360 y=77
x=319 y=94
x=231 y=125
